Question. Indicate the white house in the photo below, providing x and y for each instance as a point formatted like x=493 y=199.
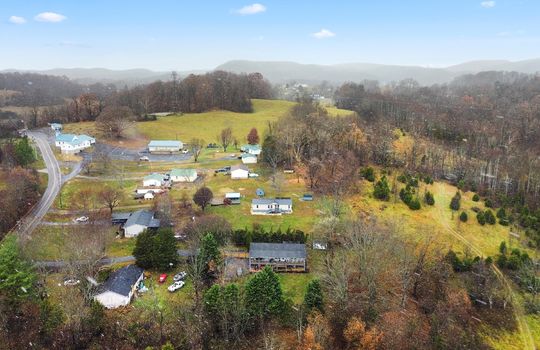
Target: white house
x=154 y=180
x=146 y=190
x=183 y=175
x=271 y=206
x=165 y=146
x=57 y=127
x=119 y=288
x=248 y=158
x=239 y=172
x=135 y=223
x=70 y=143
x=251 y=149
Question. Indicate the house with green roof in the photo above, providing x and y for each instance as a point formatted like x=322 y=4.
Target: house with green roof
x=183 y=175
x=70 y=143
x=154 y=180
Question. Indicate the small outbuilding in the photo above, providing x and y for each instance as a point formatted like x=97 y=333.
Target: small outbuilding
x=239 y=172
x=119 y=288
x=183 y=175
x=165 y=146
x=282 y=257
x=233 y=197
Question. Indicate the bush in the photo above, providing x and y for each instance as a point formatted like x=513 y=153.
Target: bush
x=414 y=204
x=481 y=218
x=489 y=203
x=490 y=218
x=381 y=190
x=428 y=180
x=501 y=213
x=476 y=197
x=368 y=174
x=463 y=216
x=429 y=199
x=504 y=222
x=455 y=203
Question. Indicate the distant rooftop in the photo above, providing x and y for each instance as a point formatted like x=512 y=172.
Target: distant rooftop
x=143 y=218
x=165 y=143
x=184 y=172
x=155 y=176
x=239 y=166
x=265 y=201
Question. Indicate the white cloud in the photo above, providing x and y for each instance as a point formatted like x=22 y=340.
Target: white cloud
x=487 y=4
x=17 y=20
x=50 y=17
x=323 y=34
x=251 y=9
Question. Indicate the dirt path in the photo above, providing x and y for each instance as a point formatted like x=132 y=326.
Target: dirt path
x=519 y=315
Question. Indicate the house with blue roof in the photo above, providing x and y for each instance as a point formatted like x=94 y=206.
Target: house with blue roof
x=71 y=143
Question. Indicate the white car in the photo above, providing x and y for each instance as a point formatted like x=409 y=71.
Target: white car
x=144 y=159
x=175 y=286
x=71 y=282
x=82 y=219
x=253 y=175
x=180 y=276
x=185 y=151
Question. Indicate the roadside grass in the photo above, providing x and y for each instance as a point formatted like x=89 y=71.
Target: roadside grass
x=121 y=247
x=66 y=200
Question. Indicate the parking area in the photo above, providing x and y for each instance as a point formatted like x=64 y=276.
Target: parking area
x=119 y=153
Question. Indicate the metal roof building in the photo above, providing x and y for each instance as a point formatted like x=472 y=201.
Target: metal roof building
x=118 y=289
x=166 y=146
x=282 y=257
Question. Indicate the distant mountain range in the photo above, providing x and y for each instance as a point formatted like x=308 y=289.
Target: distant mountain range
x=281 y=72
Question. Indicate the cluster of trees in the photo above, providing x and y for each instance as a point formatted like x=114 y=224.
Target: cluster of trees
x=156 y=249
x=244 y=237
x=21 y=192
x=16 y=152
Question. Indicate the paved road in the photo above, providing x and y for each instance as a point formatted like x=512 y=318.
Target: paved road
x=33 y=218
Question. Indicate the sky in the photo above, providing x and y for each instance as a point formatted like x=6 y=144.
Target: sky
x=184 y=35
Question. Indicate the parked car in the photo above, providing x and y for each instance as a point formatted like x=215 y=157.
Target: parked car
x=180 y=276
x=175 y=286
x=144 y=159
x=69 y=282
x=82 y=219
x=253 y=175
x=221 y=170
x=185 y=151
x=162 y=278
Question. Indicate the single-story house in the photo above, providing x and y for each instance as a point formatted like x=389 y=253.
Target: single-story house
x=154 y=180
x=119 y=288
x=70 y=143
x=136 y=222
x=149 y=195
x=282 y=257
x=234 y=197
x=165 y=146
x=271 y=206
x=251 y=149
x=248 y=158
x=146 y=190
x=183 y=175
x=239 y=172
x=57 y=127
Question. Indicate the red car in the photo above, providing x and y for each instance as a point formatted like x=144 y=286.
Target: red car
x=162 y=278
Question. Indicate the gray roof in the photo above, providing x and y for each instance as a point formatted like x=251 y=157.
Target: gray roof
x=165 y=143
x=240 y=166
x=265 y=201
x=122 y=280
x=277 y=250
x=143 y=218
x=121 y=216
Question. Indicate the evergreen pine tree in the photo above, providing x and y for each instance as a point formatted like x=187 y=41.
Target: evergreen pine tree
x=144 y=249
x=313 y=299
x=263 y=294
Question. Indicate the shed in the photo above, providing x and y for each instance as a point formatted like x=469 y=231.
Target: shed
x=119 y=288
x=239 y=172
x=307 y=197
x=234 y=197
x=282 y=257
x=165 y=146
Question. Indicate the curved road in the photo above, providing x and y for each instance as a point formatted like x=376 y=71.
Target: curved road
x=33 y=218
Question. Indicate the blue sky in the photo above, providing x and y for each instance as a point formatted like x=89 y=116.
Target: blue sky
x=184 y=35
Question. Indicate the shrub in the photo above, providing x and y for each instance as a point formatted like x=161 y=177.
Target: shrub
x=463 y=216
x=481 y=218
x=368 y=174
x=414 y=204
x=501 y=213
x=489 y=203
x=381 y=189
x=490 y=218
x=455 y=203
x=476 y=197
x=504 y=222
x=429 y=199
